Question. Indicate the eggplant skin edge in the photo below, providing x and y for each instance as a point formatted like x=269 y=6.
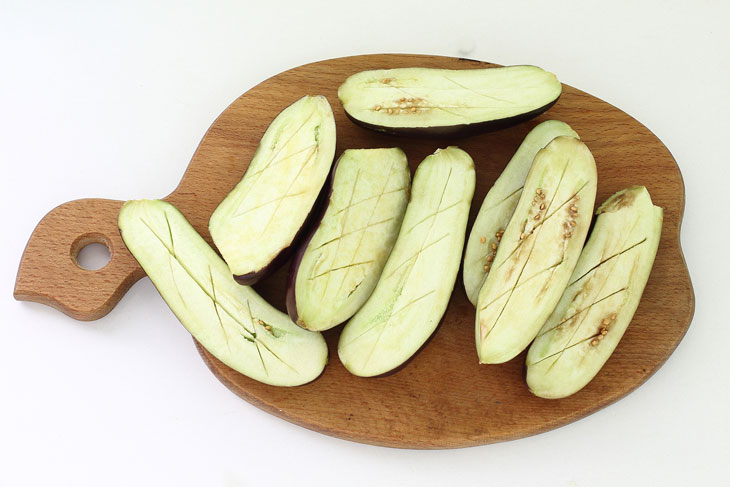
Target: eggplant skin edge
x=291 y=299
x=461 y=130
x=311 y=222
x=304 y=237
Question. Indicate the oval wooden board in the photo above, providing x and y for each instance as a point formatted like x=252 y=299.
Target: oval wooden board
x=442 y=398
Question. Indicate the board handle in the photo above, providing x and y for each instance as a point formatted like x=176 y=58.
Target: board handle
x=49 y=271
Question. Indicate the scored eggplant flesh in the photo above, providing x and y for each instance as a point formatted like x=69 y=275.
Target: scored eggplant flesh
x=416 y=284
x=443 y=102
x=231 y=321
x=334 y=272
x=500 y=203
x=268 y=209
x=538 y=251
x=599 y=303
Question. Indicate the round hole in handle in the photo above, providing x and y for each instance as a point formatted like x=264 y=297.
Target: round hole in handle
x=91 y=251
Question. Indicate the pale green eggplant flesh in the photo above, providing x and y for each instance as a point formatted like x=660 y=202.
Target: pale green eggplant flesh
x=538 y=250
x=416 y=284
x=500 y=203
x=265 y=213
x=442 y=102
x=335 y=272
x=231 y=321
x=599 y=303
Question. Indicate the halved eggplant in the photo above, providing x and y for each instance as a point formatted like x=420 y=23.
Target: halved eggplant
x=538 y=251
x=414 y=289
x=600 y=301
x=442 y=102
x=334 y=272
x=265 y=213
x=231 y=321
x=500 y=203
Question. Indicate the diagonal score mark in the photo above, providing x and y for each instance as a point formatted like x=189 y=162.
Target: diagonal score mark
x=217 y=313
x=414 y=259
x=267 y=203
x=392 y=314
x=261 y=357
x=503 y=200
x=612 y=263
x=527 y=280
x=352 y=232
x=541 y=223
x=333 y=269
x=190 y=274
x=169 y=260
x=273 y=157
x=260 y=173
x=266 y=347
x=617 y=254
x=434 y=215
x=279 y=161
x=252 y=337
x=174 y=281
x=362 y=235
x=413 y=302
x=585 y=308
x=375 y=196
x=560 y=352
x=524 y=264
x=293 y=181
x=343 y=226
x=477 y=93
x=419 y=252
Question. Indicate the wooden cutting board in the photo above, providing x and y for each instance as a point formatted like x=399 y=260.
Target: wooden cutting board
x=442 y=398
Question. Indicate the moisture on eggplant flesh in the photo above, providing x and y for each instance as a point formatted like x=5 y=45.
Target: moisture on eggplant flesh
x=231 y=321
x=268 y=209
x=500 y=203
x=538 y=250
x=336 y=269
x=415 y=286
x=443 y=102
x=600 y=301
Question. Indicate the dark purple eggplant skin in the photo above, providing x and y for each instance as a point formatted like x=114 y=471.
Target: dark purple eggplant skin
x=461 y=130
x=312 y=220
x=291 y=281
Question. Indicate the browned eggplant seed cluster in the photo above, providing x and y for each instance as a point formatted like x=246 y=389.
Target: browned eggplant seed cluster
x=603 y=330
x=493 y=246
x=569 y=222
x=402 y=105
x=266 y=326
x=539 y=201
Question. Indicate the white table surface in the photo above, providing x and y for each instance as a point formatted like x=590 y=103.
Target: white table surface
x=111 y=101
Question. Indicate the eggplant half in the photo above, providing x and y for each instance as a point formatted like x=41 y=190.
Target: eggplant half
x=599 y=303
x=414 y=288
x=538 y=250
x=231 y=321
x=500 y=203
x=336 y=269
x=441 y=102
x=266 y=212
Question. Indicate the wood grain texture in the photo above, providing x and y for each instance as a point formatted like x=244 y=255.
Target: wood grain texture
x=442 y=398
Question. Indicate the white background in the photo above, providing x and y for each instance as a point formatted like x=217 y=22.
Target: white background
x=111 y=101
